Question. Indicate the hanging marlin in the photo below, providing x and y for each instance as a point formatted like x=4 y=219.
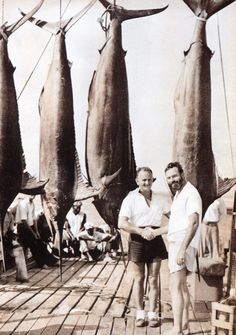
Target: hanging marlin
x=192 y=136
x=58 y=159
x=110 y=159
x=11 y=152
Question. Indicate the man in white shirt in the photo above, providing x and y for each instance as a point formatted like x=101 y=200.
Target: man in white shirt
x=183 y=236
x=210 y=231
x=76 y=218
x=140 y=215
x=28 y=237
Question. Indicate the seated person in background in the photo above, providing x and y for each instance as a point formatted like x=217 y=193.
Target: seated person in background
x=94 y=243
x=68 y=242
x=74 y=224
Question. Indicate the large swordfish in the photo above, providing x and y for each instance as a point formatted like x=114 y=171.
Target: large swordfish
x=192 y=136
x=58 y=159
x=110 y=159
x=11 y=151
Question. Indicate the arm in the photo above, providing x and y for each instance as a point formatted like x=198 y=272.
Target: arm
x=193 y=225
x=85 y=236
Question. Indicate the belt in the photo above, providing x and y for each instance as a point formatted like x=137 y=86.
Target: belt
x=153 y=227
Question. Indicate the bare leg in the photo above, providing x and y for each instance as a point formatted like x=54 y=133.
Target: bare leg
x=185 y=320
x=153 y=271
x=202 y=248
x=179 y=299
x=215 y=241
x=138 y=288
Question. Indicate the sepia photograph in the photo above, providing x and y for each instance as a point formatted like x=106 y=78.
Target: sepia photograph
x=117 y=167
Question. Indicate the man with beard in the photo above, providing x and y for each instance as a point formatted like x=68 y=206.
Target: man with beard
x=140 y=215
x=183 y=236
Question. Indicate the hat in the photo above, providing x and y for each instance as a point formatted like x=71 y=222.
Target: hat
x=88 y=225
x=77 y=203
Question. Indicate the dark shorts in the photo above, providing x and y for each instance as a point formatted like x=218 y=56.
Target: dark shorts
x=143 y=251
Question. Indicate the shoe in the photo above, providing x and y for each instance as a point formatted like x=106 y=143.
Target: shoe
x=139 y=322
x=154 y=322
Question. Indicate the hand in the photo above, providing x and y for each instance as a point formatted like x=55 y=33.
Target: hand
x=148 y=233
x=181 y=257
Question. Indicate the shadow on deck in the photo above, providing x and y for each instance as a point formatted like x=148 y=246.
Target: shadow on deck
x=91 y=299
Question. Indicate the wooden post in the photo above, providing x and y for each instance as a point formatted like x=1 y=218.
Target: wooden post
x=2 y=248
x=231 y=247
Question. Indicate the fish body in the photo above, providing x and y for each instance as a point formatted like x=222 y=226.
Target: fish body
x=109 y=148
x=192 y=135
x=57 y=135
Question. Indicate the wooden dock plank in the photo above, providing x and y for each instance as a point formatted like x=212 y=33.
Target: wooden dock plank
x=26 y=324
x=94 y=287
x=69 y=324
x=40 y=323
x=80 y=325
x=108 y=293
x=105 y=326
x=129 y=325
x=4 y=317
x=54 y=324
x=13 y=322
x=76 y=305
x=91 y=326
x=120 y=302
x=119 y=326
x=6 y=297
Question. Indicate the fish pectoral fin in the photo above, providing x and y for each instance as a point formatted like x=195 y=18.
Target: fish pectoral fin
x=106 y=180
x=31 y=186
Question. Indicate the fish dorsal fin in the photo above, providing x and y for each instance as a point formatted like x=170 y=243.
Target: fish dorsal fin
x=13 y=27
x=124 y=14
x=207 y=8
x=64 y=25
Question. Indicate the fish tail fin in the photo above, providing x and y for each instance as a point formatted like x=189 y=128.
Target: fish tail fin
x=205 y=9
x=13 y=27
x=65 y=25
x=129 y=14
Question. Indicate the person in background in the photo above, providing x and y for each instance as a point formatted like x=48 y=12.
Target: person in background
x=141 y=215
x=184 y=238
x=43 y=227
x=28 y=235
x=76 y=218
x=94 y=243
x=209 y=230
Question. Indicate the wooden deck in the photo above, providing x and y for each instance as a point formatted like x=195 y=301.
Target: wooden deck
x=92 y=298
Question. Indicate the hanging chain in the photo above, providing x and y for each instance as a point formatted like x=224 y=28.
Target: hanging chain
x=2 y=12
x=60 y=10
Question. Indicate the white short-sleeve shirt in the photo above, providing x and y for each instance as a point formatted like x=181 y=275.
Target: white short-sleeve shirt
x=215 y=211
x=185 y=203
x=75 y=221
x=135 y=207
x=25 y=211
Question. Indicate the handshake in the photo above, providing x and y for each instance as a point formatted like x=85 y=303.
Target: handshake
x=149 y=233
